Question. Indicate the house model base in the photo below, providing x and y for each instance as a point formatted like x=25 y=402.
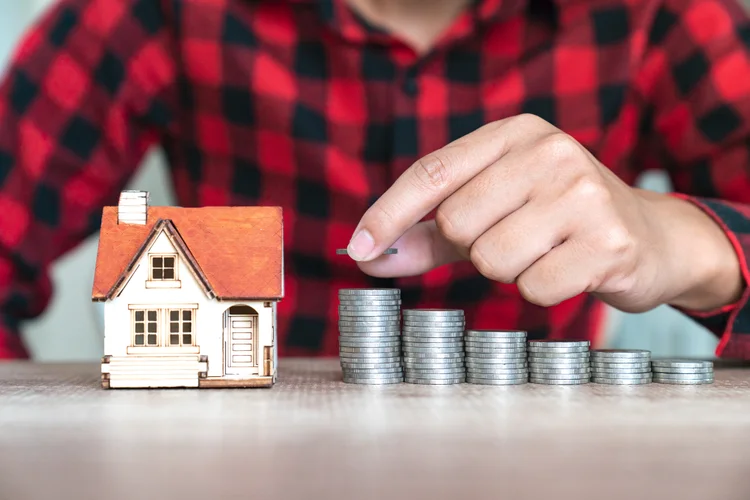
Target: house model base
x=190 y=294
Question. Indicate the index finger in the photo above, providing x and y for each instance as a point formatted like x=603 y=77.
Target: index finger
x=424 y=185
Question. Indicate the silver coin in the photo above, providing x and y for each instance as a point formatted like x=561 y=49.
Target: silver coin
x=498 y=375
x=555 y=351
x=447 y=342
x=560 y=356
x=369 y=343
x=460 y=379
x=370 y=349
x=435 y=345
x=658 y=380
x=616 y=366
x=681 y=363
x=429 y=328
x=498 y=360
x=369 y=291
x=498 y=350
x=434 y=313
x=376 y=332
x=431 y=340
x=370 y=301
x=412 y=349
x=484 y=381
x=679 y=371
x=643 y=381
x=622 y=371
x=514 y=369
x=559 y=371
x=389 y=381
x=558 y=382
x=620 y=354
x=435 y=323
x=559 y=344
x=499 y=343
x=433 y=355
x=623 y=376
x=373 y=371
x=683 y=376
x=371 y=376
x=444 y=335
x=433 y=366
x=370 y=366
x=365 y=335
x=495 y=358
x=426 y=371
x=558 y=376
x=496 y=355
x=495 y=335
x=380 y=309
x=434 y=376
x=369 y=358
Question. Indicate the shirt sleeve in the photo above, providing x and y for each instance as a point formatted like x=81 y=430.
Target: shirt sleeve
x=87 y=92
x=694 y=79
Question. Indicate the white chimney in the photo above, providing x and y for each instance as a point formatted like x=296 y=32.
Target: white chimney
x=133 y=207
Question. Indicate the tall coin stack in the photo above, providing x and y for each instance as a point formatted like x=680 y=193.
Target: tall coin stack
x=559 y=362
x=369 y=335
x=496 y=357
x=621 y=366
x=683 y=371
x=433 y=346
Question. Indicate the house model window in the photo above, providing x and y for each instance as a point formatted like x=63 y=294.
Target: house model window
x=163 y=272
x=146 y=328
x=181 y=327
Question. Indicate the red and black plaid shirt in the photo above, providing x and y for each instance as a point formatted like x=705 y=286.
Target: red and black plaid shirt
x=302 y=104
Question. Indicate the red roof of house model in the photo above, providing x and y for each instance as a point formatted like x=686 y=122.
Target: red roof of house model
x=236 y=252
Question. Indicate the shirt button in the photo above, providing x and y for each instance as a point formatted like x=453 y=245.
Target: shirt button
x=410 y=85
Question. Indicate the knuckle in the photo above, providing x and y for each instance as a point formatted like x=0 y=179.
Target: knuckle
x=433 y=171
x=591 y=191
x=482 y=264
x=618 y=240
x=488 y=267
x=559 y=146
x=529 y=288
x=446 y=224
x=528 y=120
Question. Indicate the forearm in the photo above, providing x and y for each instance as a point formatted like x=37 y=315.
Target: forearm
x=701 y=258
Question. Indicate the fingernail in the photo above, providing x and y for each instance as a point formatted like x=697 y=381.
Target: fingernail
x=361 y=245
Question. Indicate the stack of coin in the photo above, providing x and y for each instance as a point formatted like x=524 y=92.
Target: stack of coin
x=683 y=371
x=433 y=346
x=370 y=335
x=621 y=366
x=496 y=357
x=559 y=362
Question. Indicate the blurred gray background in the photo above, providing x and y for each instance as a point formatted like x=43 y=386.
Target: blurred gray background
x=71 y=329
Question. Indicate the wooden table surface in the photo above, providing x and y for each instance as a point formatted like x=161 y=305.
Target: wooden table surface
x=314 y=437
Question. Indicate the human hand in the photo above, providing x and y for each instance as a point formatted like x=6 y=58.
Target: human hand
x=527 y=204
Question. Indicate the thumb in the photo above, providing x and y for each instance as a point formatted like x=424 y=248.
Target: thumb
x=420 y=249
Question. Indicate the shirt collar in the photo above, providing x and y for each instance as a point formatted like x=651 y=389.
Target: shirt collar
x=346 y=23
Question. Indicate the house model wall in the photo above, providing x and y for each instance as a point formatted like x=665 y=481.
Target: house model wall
x=190 y=294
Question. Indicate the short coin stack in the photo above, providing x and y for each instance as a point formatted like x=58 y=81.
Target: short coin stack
x=683 y=371
x=621 y=366
x=559 y=362
x=369 y=335
x=433 y=346
x=496 y=357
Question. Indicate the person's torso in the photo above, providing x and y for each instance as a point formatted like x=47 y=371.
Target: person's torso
x=298 y=104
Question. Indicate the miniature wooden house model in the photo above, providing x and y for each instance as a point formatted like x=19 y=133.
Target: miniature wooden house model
x=190 y=294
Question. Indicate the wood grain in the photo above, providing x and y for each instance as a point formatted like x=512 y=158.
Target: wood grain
x=311 y=436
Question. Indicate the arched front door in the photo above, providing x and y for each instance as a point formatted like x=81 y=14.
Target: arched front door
x=240 y=340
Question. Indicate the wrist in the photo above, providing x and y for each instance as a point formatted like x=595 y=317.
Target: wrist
x=702 y=266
